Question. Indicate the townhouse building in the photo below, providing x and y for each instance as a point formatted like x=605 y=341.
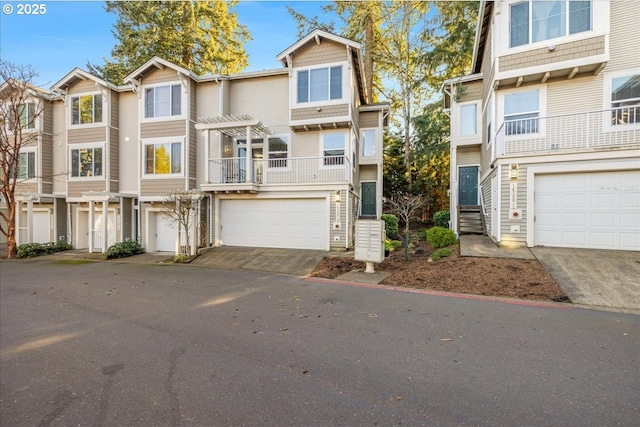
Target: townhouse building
x=284 y=158
x=545 y=130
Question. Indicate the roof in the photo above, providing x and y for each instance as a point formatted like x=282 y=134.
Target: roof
x=157 y=63
x=482 y=32
x=316 y=36
x=77 y=74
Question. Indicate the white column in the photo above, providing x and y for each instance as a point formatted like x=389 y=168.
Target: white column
x=207 y=154
x=90 y=227
x=249 y=165
x=30 y=221
x=17 y=224
x=105 y=225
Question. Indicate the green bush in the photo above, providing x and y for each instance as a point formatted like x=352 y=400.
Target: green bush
x=422 y=233
x=123 y=250
x=439 y=237
x=30 y=250
x=440 y=253
x=390 y=225
x=441 y=219
x=390 y=245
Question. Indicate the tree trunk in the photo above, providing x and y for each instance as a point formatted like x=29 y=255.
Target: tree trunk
x=368 y=59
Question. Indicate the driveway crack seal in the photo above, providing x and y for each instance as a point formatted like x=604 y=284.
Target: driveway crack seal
x=170 y=386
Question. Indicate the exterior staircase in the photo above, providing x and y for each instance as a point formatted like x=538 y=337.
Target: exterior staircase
x=471 y=220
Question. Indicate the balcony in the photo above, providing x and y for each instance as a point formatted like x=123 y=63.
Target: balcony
x=570 y=133
x=230 y=174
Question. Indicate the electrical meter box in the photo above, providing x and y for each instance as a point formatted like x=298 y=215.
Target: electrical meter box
x=370 y=236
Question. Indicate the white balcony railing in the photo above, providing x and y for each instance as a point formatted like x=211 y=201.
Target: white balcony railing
x=570 y=132
x=299 y=170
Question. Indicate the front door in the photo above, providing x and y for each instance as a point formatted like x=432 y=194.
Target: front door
x=468 y=185
x=368 y=199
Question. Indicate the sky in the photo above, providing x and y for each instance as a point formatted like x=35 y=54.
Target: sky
x=70 y=34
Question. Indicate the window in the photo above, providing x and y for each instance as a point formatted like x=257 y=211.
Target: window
x=86 y=162
x=163 y=159
x=320 y=84
x=489 y=121
x=534 y=21
x=468 y=119
x=625 y=100
x=163 y=101
x=26 y=165
x=86 y=109
x=333 y=149
x=27 y=116
x=278 y=152
x=369 y=143
x=521 y=112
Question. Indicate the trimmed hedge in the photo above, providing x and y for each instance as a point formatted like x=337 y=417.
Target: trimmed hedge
x=30 y=250
x=390 y=225
x=123 y=250
x=439 y=237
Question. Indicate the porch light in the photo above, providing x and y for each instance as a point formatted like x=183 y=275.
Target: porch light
x=338 y=196
x=514 y=173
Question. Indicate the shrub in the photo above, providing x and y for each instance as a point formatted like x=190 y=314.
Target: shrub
x=440 y=253
x=441 y=219
x=422 y=233
x=390 y=245
x=30 y=250
x=123 y=250
x=439 y=237
x=391 y=225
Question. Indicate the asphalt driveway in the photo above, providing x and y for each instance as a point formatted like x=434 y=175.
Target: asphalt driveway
x=595 y=277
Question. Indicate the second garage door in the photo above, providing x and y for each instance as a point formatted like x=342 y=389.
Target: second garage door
x=599 y=210
x=274 y=223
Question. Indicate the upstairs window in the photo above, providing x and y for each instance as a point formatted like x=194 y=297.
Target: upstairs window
x=333 y=149
x=86 y=109
x=625 y=100
x=320 y=84
x=163 y=159
x=469 y=119
x=521 y=112
x=278 y=152
x=163 y=101
x=27 y=116
x=369 y=143
x=86 y=162
x=535 y=21
x=26 y=165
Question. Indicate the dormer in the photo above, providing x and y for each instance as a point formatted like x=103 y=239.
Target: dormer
x=325 y=81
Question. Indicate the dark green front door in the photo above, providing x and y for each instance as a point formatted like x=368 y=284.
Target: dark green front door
x=468 y=185
x=368 y=199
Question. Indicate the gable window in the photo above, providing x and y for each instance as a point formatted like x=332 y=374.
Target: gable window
x=86 y=109
x=86 y=162
x=27 y=116
x=333 y=149
x=278 y=152
x=469 y=119
x=319 y=84
x=534 y=21
x=163 y=159
x=625 y=100
x=521 y=112
x=369 y=143
x=163 y=101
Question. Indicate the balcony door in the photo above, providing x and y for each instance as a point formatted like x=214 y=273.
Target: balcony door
x=468 y=185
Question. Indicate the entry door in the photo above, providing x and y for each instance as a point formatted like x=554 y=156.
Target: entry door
x=368 y=198
x=468 y=185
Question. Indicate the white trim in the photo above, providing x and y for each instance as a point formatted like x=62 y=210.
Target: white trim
x=542 y=110
x=266 y=152
x=36 y=163
x=606 y=99
x=532 y=171
x=159 y=141
x=346 y=86
x=184 y=95
x=82 y=146
x=79 y=95
x=321 y=146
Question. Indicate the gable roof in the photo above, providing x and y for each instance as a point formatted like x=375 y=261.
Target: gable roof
x=157 y=63
x=77 y=75
x=482 y=32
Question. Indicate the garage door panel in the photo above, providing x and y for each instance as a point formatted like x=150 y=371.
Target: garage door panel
x=276 y=223
x=592 y=210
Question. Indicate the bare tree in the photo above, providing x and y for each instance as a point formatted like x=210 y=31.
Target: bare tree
x=406 y=206
x=181 y=208
x=21 y=104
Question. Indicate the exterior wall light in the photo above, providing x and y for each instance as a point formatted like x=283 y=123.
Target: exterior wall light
x=514 y=173
x=338 y=196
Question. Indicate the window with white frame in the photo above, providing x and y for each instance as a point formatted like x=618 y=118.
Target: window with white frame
x=489 y=122
x=368 y=142
x=319 y=84
x=333 y=148
x=86 y=109
x=163 y=158
x=469 y=119
x=26 y=113
x=163 y=101
x=26 y=165
x=625 y=99
x=278 y=151
x=535 y=21
x=521 y=112
x=86 y=162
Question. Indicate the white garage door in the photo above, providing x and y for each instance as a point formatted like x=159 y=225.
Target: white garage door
x=588 y=210
x=274 y=223
x=165 y=234
x=42 y=227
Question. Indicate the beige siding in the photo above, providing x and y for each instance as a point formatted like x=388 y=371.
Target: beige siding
x=624 y=36
x=368 y=173
x=26 y=187
x=192 y=141
x=485 y=188
x=369 y=120
x=114 y=161
x=84 y=87
x=208 y=99
x=264 y=98
x=92 y=134
x=312 y=54
x=328 y=111
x=76 y=188
x=342 y=232
x=46 y=165
x=580 y=94
x=505 y=196
x=305 y=144
x=472 y=92
x=59 y=148
x=163 y=128
x=160 y=187
x=160 y=76
x=129 y=151
x=468 y=156
x=563 y=52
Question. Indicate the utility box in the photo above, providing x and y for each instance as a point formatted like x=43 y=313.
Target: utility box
x=370 y=236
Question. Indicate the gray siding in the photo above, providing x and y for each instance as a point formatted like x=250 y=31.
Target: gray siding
x=160 y=187
x=312 y=54
x=162 y=129
x=76 y=188
x=328 y=111
x=92 y=134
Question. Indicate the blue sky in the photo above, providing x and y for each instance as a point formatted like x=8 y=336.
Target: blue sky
x=71 y=33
